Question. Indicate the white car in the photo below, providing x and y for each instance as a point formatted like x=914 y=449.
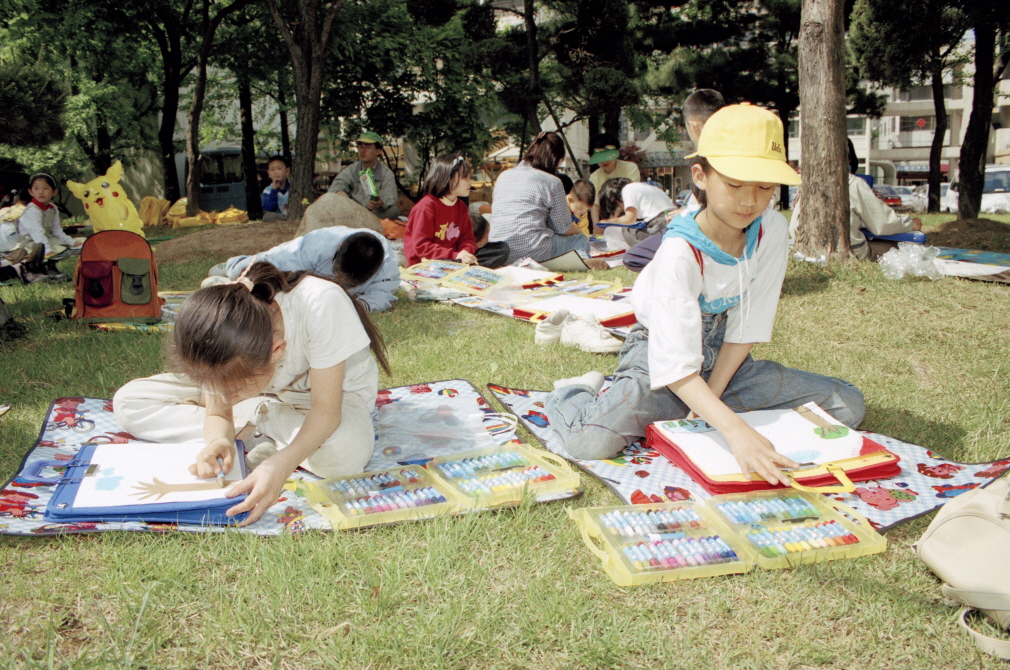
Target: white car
x=920 y=195
x=995 y=192
x=906 y=195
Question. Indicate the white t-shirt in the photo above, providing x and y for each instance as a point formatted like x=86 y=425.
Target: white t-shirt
x=666 y=299
x=322 y=329
x=648 y=201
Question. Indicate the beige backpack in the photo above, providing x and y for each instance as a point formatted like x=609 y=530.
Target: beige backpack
x=968 y=547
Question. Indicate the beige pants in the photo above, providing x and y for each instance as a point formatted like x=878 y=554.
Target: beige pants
x=167 y=408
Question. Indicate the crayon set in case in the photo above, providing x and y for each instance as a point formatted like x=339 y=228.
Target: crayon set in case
x=382 y=496
x=501 y=475
x=786 y=527
x=641 y=544
x=663 y=542
x=478 y=479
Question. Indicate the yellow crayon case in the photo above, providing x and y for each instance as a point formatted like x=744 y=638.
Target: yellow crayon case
x=404 y=493
x=682 y=540
x=785 y=527
x=497 y=476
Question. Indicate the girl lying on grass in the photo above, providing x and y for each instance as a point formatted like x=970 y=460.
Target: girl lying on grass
x=708 y=297
x=288 y=352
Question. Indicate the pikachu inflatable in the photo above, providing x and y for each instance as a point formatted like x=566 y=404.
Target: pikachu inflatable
x=106 y=202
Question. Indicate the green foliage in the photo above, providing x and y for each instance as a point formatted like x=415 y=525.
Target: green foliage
x=32 y=101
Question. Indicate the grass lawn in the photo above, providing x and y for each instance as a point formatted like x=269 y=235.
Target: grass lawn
x=516 y=588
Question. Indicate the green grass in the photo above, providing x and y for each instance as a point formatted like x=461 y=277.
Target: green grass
x=515 y=588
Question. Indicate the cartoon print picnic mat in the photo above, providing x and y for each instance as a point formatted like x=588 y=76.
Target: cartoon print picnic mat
x=436 y=419
x=981 y=265
x=641 y=475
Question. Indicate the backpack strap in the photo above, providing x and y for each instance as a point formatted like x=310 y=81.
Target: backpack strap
x=697 y=257
x=973 y=600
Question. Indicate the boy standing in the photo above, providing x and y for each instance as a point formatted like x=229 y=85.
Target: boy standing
x=275 y=195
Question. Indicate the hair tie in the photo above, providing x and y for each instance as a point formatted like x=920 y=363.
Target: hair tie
x=244 y=281
x=459 y=159
x=543 y=133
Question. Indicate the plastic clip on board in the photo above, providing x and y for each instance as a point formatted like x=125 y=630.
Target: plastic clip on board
x=496 y=476
x=404 y=493
x=663 y=542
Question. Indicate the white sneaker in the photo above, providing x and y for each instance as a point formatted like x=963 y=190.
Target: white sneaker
x=549 y=330
x=587 y=334
x=592 y=379
x=214 y=281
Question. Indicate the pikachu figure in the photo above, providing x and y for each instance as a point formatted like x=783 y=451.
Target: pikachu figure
x=106 y=202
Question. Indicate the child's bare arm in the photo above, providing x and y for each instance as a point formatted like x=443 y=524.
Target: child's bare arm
x=218 y=437
x=731 y=357
x=264 y=484
x=753 y=452
x=629 y=217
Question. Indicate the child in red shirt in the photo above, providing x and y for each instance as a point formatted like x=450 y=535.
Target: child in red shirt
x=439 y=224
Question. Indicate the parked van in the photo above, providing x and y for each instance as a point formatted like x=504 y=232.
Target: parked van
x=995 y=192
x=223 y=182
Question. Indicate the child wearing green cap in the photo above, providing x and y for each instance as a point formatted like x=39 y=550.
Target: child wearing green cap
x=708 y=297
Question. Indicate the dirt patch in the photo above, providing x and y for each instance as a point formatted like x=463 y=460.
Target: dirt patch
x=226 y=241
x=977 y=234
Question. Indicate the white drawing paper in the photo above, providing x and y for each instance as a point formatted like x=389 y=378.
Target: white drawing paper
x=140 y=473
x=807 y=435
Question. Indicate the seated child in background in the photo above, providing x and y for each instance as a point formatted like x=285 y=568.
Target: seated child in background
x=438 y=226
x=580 y=199
x=9 y=216
x=489 y=254
x=360 y=260
x=40 y=222
x=275 y=195
x=287 y=352
x=709 y=297
x=626 y=202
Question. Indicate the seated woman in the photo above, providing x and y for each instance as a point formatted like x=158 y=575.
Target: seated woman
x=530 y=212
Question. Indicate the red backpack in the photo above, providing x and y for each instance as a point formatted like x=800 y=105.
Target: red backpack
x=116 y=279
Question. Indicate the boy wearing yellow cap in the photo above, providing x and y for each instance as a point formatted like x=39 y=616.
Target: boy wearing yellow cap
x=709 y=295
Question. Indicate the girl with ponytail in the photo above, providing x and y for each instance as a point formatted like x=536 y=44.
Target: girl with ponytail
x=291 y=353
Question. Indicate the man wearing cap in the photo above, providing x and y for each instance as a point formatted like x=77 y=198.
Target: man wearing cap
x=606 y=155
x=368 y=181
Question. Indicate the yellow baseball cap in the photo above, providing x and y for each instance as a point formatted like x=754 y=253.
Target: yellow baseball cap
x=746 y=142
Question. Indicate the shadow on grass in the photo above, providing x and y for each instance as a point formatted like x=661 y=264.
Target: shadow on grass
x=945 y=439
x=804 y=278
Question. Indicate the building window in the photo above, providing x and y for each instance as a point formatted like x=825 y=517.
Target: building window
x=794 y=128
x=917 y=93
x=855 y=126
x=913 y=123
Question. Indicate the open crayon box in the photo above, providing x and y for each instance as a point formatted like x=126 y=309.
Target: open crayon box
x=662 y=542
x=403 y=493
x=786 y=527
x=497 y=476
x=728 y=534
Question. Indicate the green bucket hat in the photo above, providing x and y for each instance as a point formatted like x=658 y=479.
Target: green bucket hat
x=603 y=154
x=370 y=137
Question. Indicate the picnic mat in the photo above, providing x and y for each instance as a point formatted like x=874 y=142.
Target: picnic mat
x=448 y=417
x=969 y=264
x=639 y=475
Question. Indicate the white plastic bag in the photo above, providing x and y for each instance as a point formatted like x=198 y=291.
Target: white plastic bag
x=915 y=260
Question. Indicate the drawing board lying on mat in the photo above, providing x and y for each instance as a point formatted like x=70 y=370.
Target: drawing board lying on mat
x=608 y=312
x=141 y=481
x=570 y=261
x=473 y=279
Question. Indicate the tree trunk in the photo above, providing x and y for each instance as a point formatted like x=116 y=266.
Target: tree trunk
x=173 y=75
x=976 y=137
x=533 y=63
x=784 y=116
x=309 y=46
x=940 y=109
x=282 y=104
x=253 y=202
x=564 y=138
x=593 y=125
x=612 y=124
x=194 y=169
x=825 y=227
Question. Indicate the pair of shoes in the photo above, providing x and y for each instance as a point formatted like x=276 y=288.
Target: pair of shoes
x=587 y=334
x=214 y=281
x=33 y=253
x=593 y=379
x=33 y=277
x=549 y=330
